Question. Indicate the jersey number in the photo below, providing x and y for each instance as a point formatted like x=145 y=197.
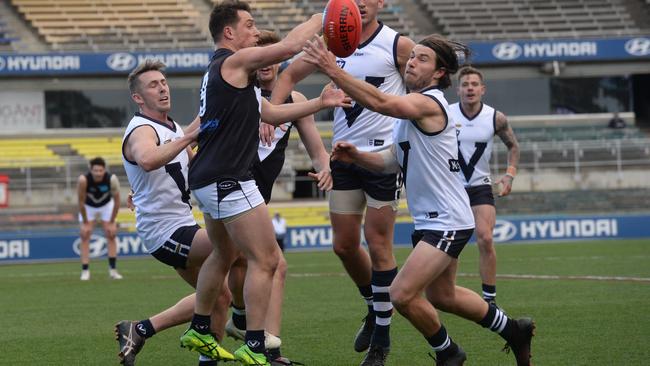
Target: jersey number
x=468 y=168
x=351 y=114
x=204 y=88
x=174 y=171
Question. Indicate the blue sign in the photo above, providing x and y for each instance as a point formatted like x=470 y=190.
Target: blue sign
x=520 y=51
x=26 y=247
x=118 y=63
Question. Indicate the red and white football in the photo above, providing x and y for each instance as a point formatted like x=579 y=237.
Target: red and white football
x=342 y=27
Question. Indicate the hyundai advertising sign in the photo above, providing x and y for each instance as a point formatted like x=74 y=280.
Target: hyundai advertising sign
x=531 y=51
x=519 y=51
x=21 y=247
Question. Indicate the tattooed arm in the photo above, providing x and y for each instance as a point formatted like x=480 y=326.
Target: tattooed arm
x=504 y=131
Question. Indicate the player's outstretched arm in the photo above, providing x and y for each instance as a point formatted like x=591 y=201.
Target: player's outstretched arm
x=287 y=80
x=143 y=148
x=412 y=106
x=278 y=114
x=507 y=135
x=253 y=58
x=309 y=136
x=384 y=161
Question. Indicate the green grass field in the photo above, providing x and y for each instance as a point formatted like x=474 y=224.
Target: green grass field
x=584 y=315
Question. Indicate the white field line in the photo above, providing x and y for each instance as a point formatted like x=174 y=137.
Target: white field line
x=341 y=274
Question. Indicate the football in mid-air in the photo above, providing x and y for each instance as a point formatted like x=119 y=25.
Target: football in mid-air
x=342 y=27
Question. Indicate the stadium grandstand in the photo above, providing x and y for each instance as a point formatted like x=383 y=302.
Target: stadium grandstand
x=559 y=69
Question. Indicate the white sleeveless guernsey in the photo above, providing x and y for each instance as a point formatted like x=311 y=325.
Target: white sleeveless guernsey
x=161 y=196
x=374 y=61
x=435 y=195
x=475 y=140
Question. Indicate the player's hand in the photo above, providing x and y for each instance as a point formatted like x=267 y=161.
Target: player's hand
x=316 y=53
x=267 y=132
x=324 y=179
x=333 y=97
x=345 y=152
x=506 y=185
x=129 y=201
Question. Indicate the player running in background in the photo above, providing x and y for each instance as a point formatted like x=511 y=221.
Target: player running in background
x=425 y=150
x=380 y=60
x=476 y=125
x=99 y=199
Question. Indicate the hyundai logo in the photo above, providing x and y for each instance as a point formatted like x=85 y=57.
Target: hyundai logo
x=2 y=63
x=503 y=231
x=97 y=246
x=226 y=184
x=121 y=61
x=638 y=46
x=506 y=51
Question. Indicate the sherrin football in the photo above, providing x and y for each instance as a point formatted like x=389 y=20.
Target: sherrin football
x=342 y=27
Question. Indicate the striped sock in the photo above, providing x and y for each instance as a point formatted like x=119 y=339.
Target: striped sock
x=366 y=293
x=238 y=316
x=382 y=306
x=489 y=292
x=442 y=344
x=498 y=322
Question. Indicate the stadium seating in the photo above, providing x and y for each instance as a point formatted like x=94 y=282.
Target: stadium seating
x=21 y=153
x=101 y=25
x=512 y=19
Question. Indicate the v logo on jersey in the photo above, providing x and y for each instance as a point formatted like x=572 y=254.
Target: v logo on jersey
x=351 y=114
x=468 y=169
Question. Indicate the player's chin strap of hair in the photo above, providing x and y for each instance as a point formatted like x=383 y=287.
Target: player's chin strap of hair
x=511 y=171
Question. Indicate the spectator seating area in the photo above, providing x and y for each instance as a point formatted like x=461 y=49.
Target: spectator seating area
x=114 y=25
x=101 y=25
x=513 y=19
x=6 y=36
x=21 y=153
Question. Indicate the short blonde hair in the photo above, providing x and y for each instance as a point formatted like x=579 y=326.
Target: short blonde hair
x=148 y=65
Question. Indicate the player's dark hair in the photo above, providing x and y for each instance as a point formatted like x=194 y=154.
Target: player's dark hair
x=469 y=70
x=98 y=161
x=148 y=65
x=225 y=14
x=267 y=37
x=447 y=54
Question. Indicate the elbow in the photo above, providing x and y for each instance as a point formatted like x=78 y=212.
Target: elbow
x=148 y=165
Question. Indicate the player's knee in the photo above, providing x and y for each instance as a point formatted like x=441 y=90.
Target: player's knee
x=345 y=251
x=484 y=238
x=281 y=270
x=400 y=297
x=268 y=262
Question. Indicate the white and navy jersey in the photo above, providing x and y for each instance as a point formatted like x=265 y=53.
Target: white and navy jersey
x=374 y=61
x=436 y=197
x=230 y=121
x=98 y=194
x=161 y=197
x=475 y=140
x=270 y=159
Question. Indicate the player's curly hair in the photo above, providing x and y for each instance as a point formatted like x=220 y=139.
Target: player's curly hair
x=225 y=14
x=447 y=56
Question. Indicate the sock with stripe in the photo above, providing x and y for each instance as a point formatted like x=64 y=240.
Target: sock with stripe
x=498 y=322
x=206 y=361
x=238 y=316
x=366 y=293
x=489 y=292
x=442 y=344
x=382 y=306
x=145 y=329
